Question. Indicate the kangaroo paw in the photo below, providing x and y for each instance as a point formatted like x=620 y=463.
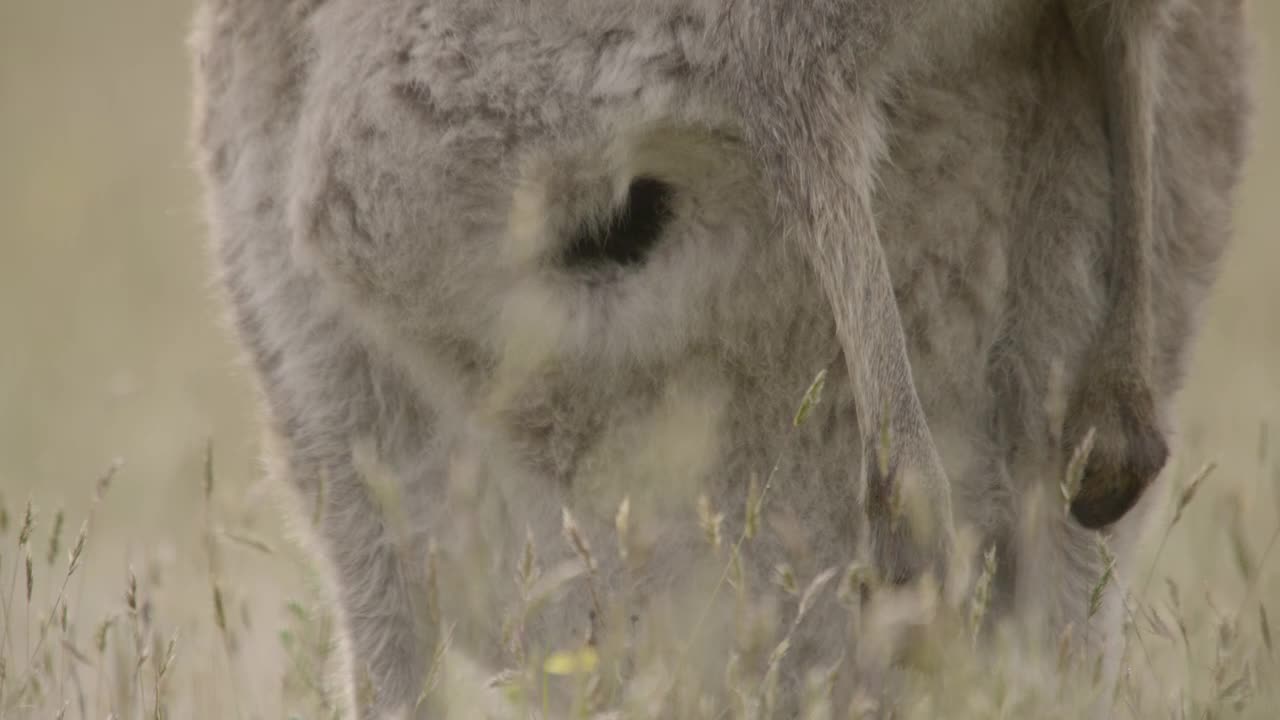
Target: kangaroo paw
x=909 y=511
x=1129 y=449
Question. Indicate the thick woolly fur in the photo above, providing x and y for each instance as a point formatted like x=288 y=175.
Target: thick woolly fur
x=395 y=187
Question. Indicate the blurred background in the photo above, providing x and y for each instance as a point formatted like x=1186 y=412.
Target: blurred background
x=112 y=343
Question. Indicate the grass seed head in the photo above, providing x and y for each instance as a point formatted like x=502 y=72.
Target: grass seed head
x=219 y=609
x=811 y=593
x=55 y=536
x=1075 y=469
x=573 y=535
x=102 y=634
x=1189 y=491
x=103 y=484
x=28 y=524
x=528 y=572
x=77 y=550
x=31 y=578
x=982 y=593
x=131 y=593
x=1108 y=571
x=166 y=660
x=812 y=397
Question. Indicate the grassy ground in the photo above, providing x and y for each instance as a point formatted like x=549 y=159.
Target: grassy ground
x=112 y=348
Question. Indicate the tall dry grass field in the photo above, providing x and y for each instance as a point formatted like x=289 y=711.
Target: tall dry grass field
x=141 y=569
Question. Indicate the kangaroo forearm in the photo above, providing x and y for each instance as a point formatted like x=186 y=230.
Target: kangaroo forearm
x=1130 y=113
x=1122 y=39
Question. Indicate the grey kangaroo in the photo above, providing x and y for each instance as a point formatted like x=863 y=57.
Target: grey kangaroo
x=492 y=261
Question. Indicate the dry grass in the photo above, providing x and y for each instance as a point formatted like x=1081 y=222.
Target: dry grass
x=160 y=587
x=1196 y=653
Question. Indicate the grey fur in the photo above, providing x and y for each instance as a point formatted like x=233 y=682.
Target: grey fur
x=392 y=185
x=1123 y=40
